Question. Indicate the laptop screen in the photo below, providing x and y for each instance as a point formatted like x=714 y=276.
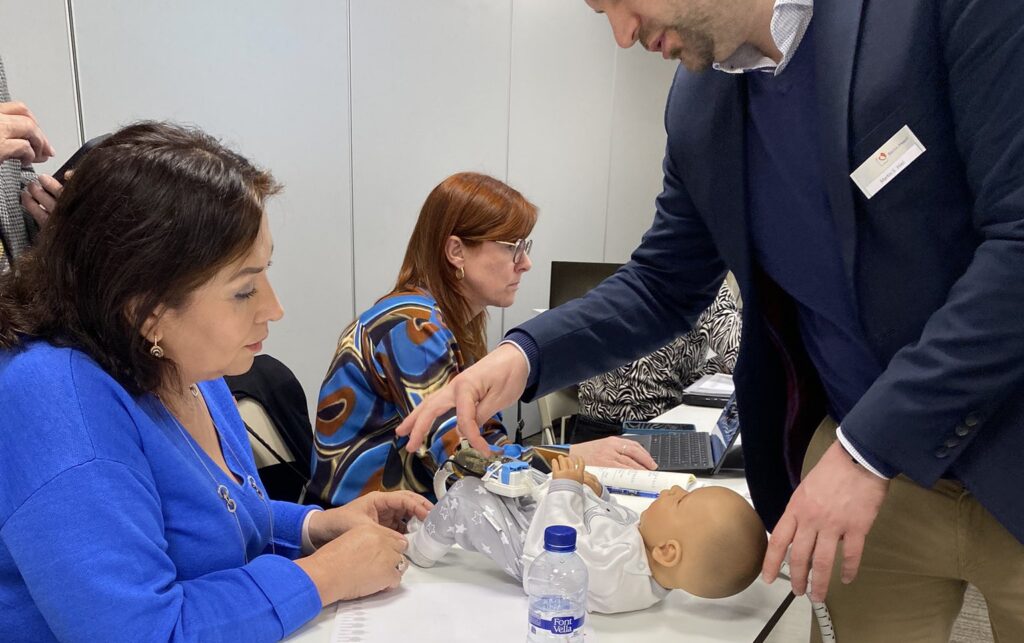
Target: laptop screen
x=724 y=433
x=573 y=279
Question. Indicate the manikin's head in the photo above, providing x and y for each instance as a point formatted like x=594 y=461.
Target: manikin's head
x=709 y=542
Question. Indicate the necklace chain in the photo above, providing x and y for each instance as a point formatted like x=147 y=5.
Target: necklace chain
x=222 y=490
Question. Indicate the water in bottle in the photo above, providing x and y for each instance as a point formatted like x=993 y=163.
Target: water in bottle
x=556 y=583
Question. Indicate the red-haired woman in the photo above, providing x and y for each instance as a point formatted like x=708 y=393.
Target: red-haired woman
x=469 y=250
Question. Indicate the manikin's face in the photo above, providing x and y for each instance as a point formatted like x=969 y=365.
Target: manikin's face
x=222 y=326
x=695 y=32
x=660 y=520
x=492 y=276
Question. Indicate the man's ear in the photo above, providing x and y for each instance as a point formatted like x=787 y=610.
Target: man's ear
x=453 y=251
x=668 y=553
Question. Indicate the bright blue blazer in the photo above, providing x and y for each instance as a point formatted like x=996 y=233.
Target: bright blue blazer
x=935 y=259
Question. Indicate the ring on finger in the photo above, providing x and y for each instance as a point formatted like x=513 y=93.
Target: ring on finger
x=403 y=564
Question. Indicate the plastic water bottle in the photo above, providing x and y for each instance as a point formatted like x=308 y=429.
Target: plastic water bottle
x=557 y=585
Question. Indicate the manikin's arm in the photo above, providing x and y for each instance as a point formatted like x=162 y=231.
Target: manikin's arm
x=607 y=540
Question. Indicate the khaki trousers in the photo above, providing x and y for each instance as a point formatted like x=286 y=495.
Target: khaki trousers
x=923 y=549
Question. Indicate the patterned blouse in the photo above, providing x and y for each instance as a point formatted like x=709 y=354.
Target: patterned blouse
x=653 y=384
x=387 y=361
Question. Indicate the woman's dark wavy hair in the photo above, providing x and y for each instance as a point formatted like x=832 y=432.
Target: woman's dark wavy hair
x=148 y=216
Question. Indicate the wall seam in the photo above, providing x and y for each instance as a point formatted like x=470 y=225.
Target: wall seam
x=76 y=85
x=351 y=164
x=611 y=150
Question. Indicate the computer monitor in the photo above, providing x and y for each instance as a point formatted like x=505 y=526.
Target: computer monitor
x=572 y=279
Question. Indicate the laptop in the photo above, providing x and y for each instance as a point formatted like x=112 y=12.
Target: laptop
x=711 y=390
x=691 y=451
x=573 y=279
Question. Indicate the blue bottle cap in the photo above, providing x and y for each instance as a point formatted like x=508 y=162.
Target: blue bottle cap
x=560 y=538
x=512 y=450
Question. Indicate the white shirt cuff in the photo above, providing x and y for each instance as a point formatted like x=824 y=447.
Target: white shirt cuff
x=855 y=454
x=307 y=543
x=521 y=352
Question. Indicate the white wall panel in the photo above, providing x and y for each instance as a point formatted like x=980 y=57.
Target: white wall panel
x=562 y=85
x=36 y=49
x=272 y=81
x=360 y=108
x=642 y=81
x=429 y=98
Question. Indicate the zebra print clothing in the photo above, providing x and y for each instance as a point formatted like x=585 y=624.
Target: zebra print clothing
x=653 y=384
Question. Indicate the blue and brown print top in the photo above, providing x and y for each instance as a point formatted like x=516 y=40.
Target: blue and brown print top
x=387 y=361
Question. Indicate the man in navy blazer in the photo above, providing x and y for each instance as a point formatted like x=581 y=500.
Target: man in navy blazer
x=864 y=181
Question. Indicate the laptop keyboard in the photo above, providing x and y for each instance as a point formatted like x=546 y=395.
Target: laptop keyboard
x=683 y=450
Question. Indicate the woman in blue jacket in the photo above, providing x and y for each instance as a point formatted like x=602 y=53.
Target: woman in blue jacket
x=130 y=507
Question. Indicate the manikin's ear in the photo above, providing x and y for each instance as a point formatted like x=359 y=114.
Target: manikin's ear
x=453 y=251
x=668 y=553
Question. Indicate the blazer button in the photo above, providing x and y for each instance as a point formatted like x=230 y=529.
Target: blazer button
x=972 y=420
x=961 y=430
x=941 y=452
x=952 y=442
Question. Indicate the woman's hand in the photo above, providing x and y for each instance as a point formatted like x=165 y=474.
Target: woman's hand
x=614 y=452
x=364 y=560
x=391 y=509
x=40 y=198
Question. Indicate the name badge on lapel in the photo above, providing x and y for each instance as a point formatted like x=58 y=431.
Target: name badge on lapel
x=887 y=162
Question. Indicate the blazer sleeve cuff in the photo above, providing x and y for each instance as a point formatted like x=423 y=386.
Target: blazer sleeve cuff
x=531 y=352
x=863 y=458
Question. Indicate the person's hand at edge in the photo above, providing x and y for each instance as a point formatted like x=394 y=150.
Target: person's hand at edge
x=477 y=393
x=39 y=198
x=614 y=451
x=20 y=135
x=837 y=501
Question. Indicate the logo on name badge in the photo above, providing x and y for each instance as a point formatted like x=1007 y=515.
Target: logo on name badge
x=894 y=156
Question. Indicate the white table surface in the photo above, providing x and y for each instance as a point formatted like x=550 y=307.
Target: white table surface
x=680 y=617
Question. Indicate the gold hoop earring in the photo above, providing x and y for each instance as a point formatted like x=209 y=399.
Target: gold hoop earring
x=155 y=349
x=460 y=273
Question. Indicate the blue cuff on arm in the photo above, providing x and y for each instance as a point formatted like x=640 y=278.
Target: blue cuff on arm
x=532 y=352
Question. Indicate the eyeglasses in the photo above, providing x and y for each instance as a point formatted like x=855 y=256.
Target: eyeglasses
x=518 y=248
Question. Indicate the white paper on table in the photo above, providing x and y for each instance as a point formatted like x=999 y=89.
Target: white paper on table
x=438 y=613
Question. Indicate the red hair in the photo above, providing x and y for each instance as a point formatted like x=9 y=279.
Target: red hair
x=475 y=208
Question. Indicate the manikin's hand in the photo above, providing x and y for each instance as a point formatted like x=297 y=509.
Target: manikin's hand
x=40 y=198
x=614 y=451
x=568 y=468
x=477 y=394
x=364 y=560
x=20 y=136
x=837 y=501
x=391 y=509
x=593 y=483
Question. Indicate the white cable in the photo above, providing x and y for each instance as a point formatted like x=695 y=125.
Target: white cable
x=828 y=633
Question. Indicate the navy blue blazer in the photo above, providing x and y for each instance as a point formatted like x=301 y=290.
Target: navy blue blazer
x=935 y=259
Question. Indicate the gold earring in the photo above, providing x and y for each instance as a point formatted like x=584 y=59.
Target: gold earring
x=155 y=349
x=460 y=273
